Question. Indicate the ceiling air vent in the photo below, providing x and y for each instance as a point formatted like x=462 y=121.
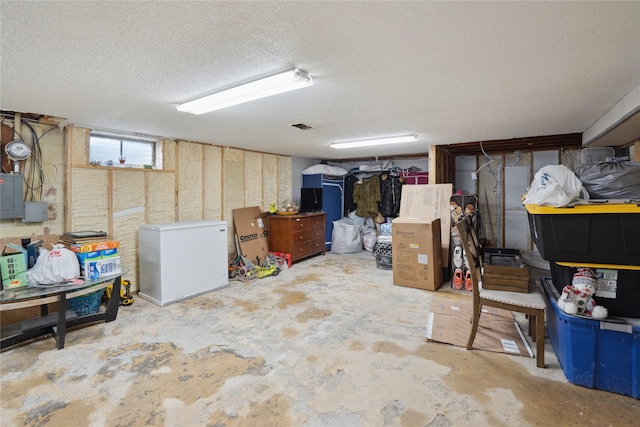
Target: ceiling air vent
x=302 y=126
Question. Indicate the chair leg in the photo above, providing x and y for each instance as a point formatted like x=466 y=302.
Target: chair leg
x=474 y=329
x=532 y=326
x=540 y=339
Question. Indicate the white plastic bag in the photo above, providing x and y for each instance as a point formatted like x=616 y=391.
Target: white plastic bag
x=54 y=266
x=555 y=185
x=346 y=237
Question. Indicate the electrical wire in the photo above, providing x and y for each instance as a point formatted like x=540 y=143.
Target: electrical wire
x=491 y=159
x=33 y=175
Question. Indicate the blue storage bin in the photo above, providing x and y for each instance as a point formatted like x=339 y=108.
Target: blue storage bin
x=596 y=354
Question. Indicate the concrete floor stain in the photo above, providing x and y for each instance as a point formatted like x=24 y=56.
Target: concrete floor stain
x=289 y=297
x=288 y=332
x=247 y=305
x=356 y=345
x=75 y=413
x=475 y=372
x=273 y=412
x=157 y=372
x=312 y=313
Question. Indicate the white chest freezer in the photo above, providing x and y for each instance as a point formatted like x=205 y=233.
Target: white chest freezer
x=180 y=260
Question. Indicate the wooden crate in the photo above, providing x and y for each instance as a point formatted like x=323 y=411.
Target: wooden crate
x=501 y=278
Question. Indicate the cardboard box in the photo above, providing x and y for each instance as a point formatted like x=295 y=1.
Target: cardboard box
x=13 y=269
x=252 y=233
x=109 y=253
x=430 y=201
x=88 y=256
x=14 y=281
x=93 y=270
x=12 y=264
x=94 y=246
x=416 y=253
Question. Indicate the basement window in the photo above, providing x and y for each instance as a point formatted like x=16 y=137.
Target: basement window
x=106 y=149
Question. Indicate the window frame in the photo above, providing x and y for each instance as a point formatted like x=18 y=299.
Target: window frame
x=120 y=138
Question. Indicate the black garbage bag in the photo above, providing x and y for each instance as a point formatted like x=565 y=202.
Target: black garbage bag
x=610 y=179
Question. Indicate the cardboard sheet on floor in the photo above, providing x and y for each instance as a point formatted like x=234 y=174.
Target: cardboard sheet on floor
x=448 y=321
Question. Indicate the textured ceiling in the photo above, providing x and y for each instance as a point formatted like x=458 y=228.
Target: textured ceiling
x=451 y=72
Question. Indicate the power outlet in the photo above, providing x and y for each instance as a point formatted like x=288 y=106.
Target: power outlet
x=474 y=176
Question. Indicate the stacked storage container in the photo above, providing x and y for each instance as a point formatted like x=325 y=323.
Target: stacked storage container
x=606 y=238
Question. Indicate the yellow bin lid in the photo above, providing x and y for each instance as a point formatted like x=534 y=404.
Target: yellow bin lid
x=592 y=208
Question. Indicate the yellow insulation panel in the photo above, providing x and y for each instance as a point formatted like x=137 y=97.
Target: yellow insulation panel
x=253 y=179
x=269 y=181
x=189 y=181
x=212 y=182
x=90 y=204
x=161 y=197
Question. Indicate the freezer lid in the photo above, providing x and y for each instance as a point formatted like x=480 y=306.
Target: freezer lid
x=182 y=225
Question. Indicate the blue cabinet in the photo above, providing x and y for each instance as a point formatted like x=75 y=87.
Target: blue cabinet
x=332 y=199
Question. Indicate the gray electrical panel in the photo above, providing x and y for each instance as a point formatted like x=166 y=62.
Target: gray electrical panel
x=35 y=211
x=11 y=200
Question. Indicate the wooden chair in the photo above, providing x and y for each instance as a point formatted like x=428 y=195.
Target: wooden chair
x=532 y=304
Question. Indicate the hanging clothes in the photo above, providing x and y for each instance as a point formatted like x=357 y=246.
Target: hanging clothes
x=390 y=192
x=349 y=185
x=367 y=196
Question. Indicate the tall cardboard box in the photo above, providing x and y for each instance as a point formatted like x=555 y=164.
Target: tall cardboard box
x=417 y=253
x=252 y=233
x=430 y=201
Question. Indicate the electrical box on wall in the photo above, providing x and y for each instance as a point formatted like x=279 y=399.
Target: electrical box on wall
x=35 y=211
x=11 y=201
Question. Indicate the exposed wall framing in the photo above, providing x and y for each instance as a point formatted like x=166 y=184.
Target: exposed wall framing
x=441 y=165
x=197 y=181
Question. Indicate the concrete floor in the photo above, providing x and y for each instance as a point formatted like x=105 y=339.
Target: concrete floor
x=329 y=342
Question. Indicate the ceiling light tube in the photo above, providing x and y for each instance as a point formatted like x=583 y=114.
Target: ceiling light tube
x=379 y=141
x=279 y=83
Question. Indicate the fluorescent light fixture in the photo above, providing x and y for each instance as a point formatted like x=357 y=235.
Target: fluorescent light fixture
x=380 y=141
x=279 y=83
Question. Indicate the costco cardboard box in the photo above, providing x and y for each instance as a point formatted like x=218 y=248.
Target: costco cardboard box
x=417 y=253
x=252 y=233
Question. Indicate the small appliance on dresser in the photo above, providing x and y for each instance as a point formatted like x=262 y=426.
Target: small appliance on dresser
x=179 y=260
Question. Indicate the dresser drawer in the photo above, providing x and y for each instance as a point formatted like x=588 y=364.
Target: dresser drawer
x=316 y=246
x=300 y=236
x=300 y=224
x=300 y=250
x=316 y=233
x=316 y=222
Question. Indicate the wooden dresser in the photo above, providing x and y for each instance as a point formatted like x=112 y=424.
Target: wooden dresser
x=298 y=235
